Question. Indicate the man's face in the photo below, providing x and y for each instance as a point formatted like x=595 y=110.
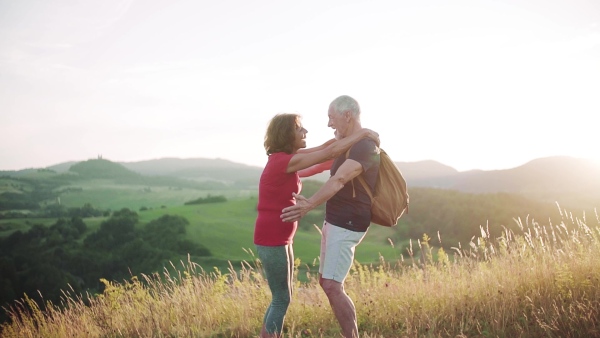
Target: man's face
x=338 y=121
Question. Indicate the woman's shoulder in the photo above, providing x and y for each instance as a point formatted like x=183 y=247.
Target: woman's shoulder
x=276 y=166
x=279 y=159
x=280 y=156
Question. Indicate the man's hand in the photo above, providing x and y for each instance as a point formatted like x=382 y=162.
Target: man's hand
x=296 y=212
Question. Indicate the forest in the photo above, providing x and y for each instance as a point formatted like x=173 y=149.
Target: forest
x=45 y=260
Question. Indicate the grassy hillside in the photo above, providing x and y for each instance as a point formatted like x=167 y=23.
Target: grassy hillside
x=106 y=194
x=541 y=281
x=227 y=230
x=100 y=168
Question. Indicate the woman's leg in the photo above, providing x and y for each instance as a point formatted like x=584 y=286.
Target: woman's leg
x=276 y=264
x=290 y=258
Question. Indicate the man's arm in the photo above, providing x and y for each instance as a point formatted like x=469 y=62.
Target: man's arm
x=317 y=148
x=304 y=160
x=322 y=146
x=346 y=172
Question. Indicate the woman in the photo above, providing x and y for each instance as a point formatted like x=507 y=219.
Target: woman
x=284 y=142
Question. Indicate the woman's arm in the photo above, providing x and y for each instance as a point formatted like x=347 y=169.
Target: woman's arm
x=315 y=169
x=317 y=148
x=304 y=160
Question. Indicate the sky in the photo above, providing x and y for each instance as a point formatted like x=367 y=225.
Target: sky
x=472 y=84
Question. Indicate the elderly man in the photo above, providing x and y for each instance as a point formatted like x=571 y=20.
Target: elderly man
x=347 y=210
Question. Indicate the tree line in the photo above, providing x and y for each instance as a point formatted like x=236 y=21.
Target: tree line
x=455 y=215
x=44 y=259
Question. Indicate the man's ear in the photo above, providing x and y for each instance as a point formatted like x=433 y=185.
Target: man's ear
x=347 y=115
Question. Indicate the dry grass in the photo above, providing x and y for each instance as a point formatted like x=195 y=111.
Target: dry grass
x=541 y=282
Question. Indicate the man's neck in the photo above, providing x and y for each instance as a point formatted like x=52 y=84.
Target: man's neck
x=354 y=127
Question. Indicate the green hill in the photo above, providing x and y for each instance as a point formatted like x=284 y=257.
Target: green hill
x=224 y=229
x=100 y=168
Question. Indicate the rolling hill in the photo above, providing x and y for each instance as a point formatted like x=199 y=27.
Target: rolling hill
x=452 y=204
x=574 y=181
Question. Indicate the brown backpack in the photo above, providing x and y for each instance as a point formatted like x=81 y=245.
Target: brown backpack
x=390 y=200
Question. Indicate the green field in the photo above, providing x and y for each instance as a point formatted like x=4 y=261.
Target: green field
x=105 y=194
x=226 y=229
x=460 y=277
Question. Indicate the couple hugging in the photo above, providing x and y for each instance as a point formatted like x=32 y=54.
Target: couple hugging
x=353 y=152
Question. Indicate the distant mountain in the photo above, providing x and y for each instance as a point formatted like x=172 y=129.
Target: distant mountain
x=560 y=178
x=62 y=167
x=199 y=169
x=17 y=173
x=425 y=170
x=174 y=166
x=100 y=168
x=560 y=174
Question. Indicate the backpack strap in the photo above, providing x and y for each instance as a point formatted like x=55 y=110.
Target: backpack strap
x=362 y=182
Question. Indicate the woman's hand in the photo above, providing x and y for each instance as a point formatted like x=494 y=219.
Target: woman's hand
x=372 y=135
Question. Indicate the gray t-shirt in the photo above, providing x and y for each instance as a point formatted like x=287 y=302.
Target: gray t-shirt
x=350 y=208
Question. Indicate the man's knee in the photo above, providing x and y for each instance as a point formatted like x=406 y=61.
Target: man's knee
x=331 y=287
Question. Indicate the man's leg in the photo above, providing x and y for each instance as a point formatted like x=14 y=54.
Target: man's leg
x=337 y=256
x=342 y=307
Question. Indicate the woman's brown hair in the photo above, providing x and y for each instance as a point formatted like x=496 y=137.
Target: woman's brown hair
x=280 y=133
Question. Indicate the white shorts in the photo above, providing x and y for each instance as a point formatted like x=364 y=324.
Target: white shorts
x=337 y=251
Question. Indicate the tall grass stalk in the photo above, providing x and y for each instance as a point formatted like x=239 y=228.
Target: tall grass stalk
x=542 y=281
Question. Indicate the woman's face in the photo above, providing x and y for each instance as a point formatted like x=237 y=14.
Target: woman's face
x=299 y=136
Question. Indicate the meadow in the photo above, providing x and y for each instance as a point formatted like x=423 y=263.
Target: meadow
x=106 y=194
x=542 y=281
x=226 y=229
x=530 y=279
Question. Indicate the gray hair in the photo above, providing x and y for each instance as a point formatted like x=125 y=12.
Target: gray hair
x=346 y=103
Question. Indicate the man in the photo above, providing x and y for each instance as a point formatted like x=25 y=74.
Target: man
x=347 y=211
